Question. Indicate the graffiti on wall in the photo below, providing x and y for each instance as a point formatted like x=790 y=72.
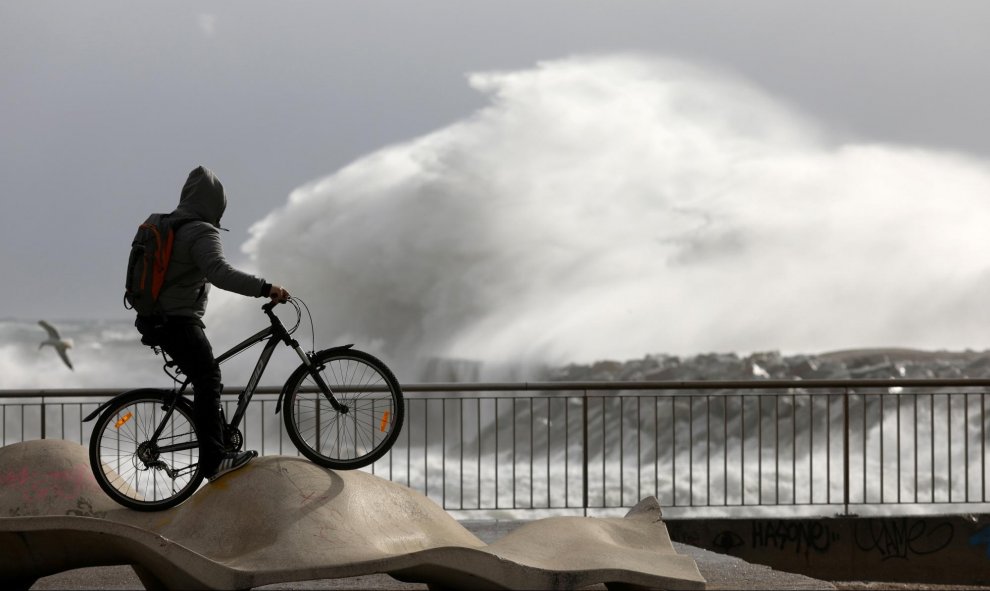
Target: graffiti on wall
x=801 y=536
x=784 y=535
x=902 y=538
x=895 y=538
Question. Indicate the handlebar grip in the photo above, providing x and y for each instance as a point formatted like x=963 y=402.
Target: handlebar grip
x=271 y=305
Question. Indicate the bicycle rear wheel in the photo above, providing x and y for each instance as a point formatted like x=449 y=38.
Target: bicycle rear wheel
x=365 y=430
x=132 y=469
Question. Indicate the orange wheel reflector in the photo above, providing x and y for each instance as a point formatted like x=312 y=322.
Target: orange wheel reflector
x=123 y=419
x=384 y=421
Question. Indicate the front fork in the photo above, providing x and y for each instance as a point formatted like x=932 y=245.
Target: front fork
x=314 y=372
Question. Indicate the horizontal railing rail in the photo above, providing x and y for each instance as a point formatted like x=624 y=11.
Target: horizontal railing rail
x=701 y=447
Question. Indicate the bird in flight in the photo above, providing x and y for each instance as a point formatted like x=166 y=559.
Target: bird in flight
x=55 y=340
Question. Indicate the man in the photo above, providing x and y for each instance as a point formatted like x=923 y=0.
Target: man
x=197 y=262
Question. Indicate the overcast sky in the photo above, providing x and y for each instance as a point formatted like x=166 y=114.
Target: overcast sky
x=106 y=106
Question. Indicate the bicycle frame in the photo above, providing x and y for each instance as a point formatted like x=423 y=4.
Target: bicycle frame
x=244 y=398
x=274 y=333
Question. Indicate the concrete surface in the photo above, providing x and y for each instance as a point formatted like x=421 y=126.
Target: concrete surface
x=721 y=572
x=284 y=519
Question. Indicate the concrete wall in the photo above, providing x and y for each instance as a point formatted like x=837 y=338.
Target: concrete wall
x=932 y=549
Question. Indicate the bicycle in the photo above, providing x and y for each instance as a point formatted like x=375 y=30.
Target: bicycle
x=342 y=409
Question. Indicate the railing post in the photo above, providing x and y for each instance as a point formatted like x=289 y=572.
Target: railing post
x=845 y=452
x=584 y=445
x=44 y=426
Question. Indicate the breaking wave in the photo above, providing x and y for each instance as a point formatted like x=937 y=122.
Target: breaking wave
x=607 y=207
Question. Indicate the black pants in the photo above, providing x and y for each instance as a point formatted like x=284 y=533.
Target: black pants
x=185 y=342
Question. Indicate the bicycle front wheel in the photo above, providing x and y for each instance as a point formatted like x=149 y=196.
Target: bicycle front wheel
x=368 y=422
x=132 y=467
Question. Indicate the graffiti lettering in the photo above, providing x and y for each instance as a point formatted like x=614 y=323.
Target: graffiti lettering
x=902 y=538
x=804 y=536
x=981 y=537
x=727 y=541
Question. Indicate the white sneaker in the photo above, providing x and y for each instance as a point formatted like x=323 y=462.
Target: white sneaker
x=231 y=462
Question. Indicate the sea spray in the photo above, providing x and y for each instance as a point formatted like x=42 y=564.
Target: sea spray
x=607 y=206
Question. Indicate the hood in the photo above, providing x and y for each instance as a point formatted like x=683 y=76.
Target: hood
x=202 y=197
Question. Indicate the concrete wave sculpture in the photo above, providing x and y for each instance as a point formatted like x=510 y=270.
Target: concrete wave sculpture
x=284 y=519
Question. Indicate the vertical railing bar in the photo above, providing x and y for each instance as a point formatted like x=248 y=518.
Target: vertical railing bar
x=622 y=451
x=426 y=446
x=495 y=400
x=604 y=456
x=948 y=448
x=443 y=452
x=81 y=415
x=793 y=448
x=639 y=448
x=708 y=450
x=882 y=464
x=845 y=452
x=725 y=450
x=742 y=449
x=567 y=452
x=673 y=447
x=931 y=417
x=478 y=414
x=759 y=450
x=828 y=449
x=691 y=441
x=656 y=446
x=983 y=443
x=811 y=448
x=584 y=471
x=966 y=443
x=409 y=408
x=776 y=449
x=532 y=443
x=263 y=415
x=899 y=449
x=515 y=458
x=917 y=454
x=460 y=473
x=866 y=405
x=549 y=434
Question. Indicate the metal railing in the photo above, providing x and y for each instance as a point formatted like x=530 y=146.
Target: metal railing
x=702 y=448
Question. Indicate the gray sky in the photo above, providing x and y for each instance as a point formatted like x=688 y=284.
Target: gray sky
x=106 y=106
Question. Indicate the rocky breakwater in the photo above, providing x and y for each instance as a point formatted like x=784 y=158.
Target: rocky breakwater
x=838 y=365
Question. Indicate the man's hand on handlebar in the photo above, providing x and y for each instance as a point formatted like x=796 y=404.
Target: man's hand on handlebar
x=278 y=294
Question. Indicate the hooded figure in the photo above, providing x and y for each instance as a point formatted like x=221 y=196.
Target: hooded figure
x=197 y=254
x=197 y=262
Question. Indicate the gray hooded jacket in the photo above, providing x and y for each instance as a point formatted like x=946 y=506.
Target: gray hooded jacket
x=197 y=254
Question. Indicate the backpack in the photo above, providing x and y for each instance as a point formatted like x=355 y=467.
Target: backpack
x=151 y=251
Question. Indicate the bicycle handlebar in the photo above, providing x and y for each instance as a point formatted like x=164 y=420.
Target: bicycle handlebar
x=271 y=305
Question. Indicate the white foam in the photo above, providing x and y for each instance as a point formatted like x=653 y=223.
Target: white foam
x=613 y=206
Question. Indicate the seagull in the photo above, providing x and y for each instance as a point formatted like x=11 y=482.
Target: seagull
x=56 y=341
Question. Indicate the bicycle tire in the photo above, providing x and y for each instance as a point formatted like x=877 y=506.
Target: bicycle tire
x=344 y=441
x=122 y=431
